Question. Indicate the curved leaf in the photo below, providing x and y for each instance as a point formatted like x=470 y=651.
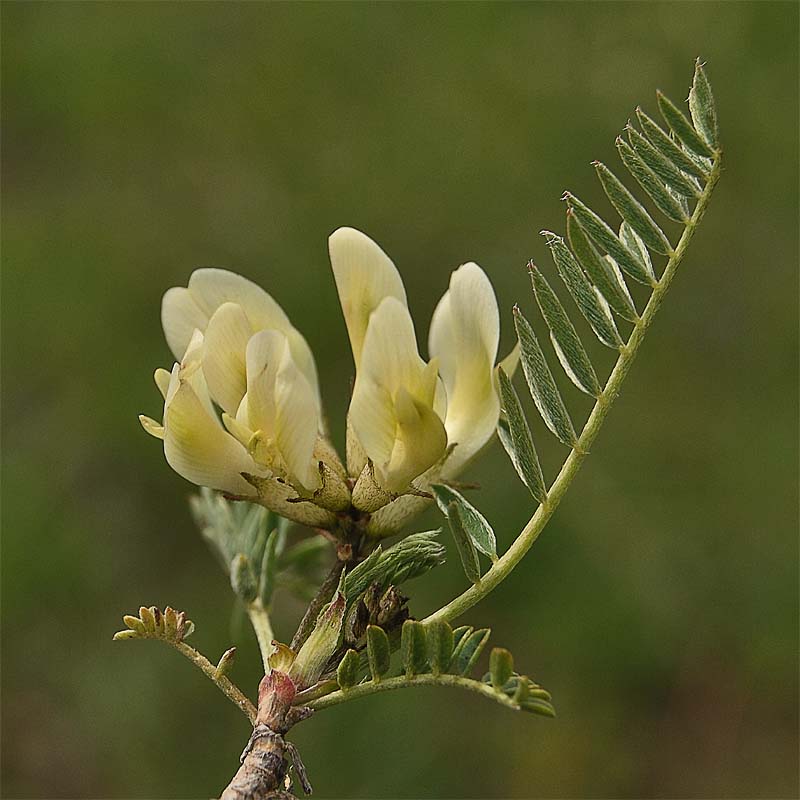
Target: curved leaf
x=515 y=436
x=540 y=380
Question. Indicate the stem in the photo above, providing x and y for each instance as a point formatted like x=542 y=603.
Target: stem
x=402 y=682
x=259 y=618
x=224 y=684
x=530 y=533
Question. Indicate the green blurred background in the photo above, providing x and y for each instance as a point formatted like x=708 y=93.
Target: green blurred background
x=660 y=607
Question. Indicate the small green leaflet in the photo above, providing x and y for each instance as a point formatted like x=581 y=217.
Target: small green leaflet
x=632 y=211
x=594 y=309
x=347 y=671
x=601 y=234
x=515 y=436
x=541 y=384
x=565 y=339
x=477 y=528
x=701 y=106
x=632 y=241
x=414 y=648
x=378 y=651
x=600 y=271
x=666 y=170
x=440 y=646
x=468 y=651
x=681 y=126
x=649 y=181
x=501 y=667
x=668 y=147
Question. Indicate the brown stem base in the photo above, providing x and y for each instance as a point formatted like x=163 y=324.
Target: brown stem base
x=268 y=757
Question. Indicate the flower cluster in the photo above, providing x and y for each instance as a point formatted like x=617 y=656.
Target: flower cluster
x=411 y=422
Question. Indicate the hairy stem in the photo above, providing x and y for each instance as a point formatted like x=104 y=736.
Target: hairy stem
x=224 y=684
x=259 y=618
x=530 y=533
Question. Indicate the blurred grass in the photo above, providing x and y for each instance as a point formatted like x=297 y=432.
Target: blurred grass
x=660 y=608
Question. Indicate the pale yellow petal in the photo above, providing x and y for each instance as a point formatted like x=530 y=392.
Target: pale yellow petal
x=238 y=430
x=442 y=343
x=364 y=276
x=304 y=359
x=211 y=287
x=464 y=335
x=297 y=423
x=420 y=441
x=198 y=448
x=151 y=426
x=475 y=310
x=389 y=360
x=265 y=353
x=161 y=376
x=191 y=371
x=180 y=316
x=224 y=350
x=185 y=309
x=390 y=353
x=372 y=419
x=392 y=410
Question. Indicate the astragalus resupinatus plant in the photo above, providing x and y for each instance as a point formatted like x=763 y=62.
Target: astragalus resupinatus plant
x=243 y=418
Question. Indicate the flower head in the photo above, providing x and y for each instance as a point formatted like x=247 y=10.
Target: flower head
x=242 y=408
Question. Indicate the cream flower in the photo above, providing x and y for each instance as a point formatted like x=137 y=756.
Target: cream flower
x=398 y=402
x=401 y=417
x=259 y=370
x=242 y=409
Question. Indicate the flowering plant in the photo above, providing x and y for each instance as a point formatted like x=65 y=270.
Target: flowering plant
x=243 y=419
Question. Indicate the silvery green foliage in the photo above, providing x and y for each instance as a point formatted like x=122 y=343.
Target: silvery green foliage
x=409 y=558
x=672 y=165
x=250 y=544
